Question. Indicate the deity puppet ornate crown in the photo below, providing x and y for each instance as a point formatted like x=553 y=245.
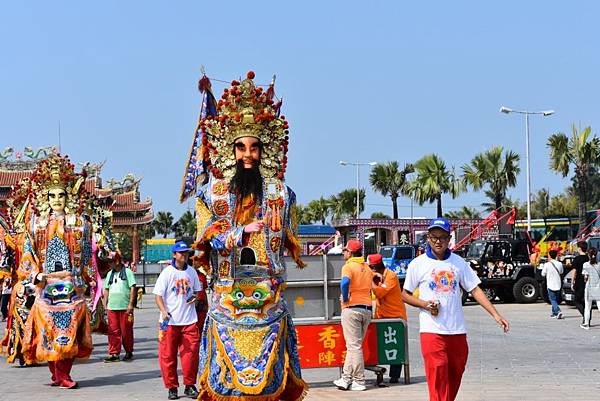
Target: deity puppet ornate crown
x=55 y=171
x=246 y=110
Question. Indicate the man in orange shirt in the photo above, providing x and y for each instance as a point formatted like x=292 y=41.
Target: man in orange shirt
x=389 y=299
x=356 y=285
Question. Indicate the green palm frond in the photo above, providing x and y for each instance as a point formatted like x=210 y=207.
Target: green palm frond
x=560 y=153
x=389 y=180
x=495 y=168
x=432 y=180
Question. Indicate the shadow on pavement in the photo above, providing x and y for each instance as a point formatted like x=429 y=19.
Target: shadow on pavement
x=371 y=382
x=120 y=378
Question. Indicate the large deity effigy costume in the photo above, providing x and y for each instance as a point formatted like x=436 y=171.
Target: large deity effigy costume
x=246 y=219
x=54 y=243
x=21 y=299
x=103 y=246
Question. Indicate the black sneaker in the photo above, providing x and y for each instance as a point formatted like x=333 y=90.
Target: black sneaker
x=173 y=394
x=112 y=358
x=128 y=356
x=190 y=391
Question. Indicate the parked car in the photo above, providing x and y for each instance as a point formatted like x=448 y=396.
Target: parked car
x=397 y=258
x=566 y=292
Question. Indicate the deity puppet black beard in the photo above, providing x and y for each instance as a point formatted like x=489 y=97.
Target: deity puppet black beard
x=247 y=181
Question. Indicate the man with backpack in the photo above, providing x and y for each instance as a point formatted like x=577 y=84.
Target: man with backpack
x=119 y=300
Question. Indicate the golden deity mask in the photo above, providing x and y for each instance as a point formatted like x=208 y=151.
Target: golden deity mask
x=245 y=110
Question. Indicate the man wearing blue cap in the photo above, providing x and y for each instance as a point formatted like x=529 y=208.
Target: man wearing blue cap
x=176 y=291
x=441 y=276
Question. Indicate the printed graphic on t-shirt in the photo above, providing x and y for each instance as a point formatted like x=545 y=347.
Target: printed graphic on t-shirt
x=182 y=287
x=443 y=281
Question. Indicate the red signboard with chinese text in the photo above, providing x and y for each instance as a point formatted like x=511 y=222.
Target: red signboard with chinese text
x=323 y=345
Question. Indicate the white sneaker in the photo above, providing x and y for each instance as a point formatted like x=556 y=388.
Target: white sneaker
x=342 y=384
x=357 y=387
x=585 y=326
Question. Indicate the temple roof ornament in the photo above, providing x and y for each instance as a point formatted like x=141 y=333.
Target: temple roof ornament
x=6 y=153
x=128 y=181
x=40 y=154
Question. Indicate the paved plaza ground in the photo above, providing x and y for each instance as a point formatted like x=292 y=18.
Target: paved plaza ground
x=541 y=359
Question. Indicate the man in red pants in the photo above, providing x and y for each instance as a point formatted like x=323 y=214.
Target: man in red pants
x=176 y=292
x=119 y=299
x=440 y=275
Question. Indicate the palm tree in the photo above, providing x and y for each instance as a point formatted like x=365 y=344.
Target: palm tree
x=465 y=212
x=456 y=185
x=303 y=215
x=593 y=188
x=186 y=225
x=379 y=215
x=540 y=204
x=319 y=209
x=494 y=169
x=163 y=224
x=387 y=179
x=564 y=204
x=433 y=179
x=343 y=205
x=581 y=151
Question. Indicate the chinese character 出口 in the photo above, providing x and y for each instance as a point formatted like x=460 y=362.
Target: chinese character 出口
x=390 y=336
x=391 y=354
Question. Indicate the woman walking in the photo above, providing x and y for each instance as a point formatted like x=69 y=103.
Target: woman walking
x=591 y=277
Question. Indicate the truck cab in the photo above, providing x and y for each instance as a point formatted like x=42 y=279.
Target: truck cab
x=397 y=258
x=504 y=269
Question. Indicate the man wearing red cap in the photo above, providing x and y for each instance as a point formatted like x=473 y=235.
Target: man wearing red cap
x=356 y=315
x=388 y=292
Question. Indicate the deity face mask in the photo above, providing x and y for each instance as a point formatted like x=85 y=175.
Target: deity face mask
x=59 y=292
x=249 y=298
x=247 y=149
x=57 y=198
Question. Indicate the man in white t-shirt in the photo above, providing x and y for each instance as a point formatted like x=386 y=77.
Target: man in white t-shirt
x=552 y=270
x=441 y=276
x=176 y=292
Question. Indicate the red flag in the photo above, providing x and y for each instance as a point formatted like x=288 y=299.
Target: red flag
x=511 y=217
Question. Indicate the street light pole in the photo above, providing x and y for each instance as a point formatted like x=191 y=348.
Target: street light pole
x=357 y=190
x=544 y=113
x=357 y=164
x=528 y=173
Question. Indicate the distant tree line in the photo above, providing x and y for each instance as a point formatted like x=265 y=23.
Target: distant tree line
x=494 y=171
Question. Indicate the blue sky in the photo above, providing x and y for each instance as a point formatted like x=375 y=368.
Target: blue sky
x=361 y=81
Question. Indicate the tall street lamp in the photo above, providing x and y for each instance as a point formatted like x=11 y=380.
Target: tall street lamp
x=357 y=164
x=544 y=113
